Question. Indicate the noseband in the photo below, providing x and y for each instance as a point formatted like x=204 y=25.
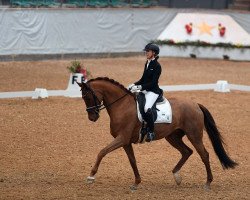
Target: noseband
x=98 y=105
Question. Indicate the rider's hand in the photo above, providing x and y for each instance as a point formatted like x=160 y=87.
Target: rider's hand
x=130 y=86
x=136 y=88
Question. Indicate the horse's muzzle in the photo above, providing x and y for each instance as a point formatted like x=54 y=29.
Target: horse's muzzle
x=94 y=117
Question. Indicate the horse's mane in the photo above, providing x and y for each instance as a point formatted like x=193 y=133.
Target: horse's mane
x=113 y=82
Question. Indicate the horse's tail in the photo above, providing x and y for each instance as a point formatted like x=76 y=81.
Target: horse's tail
x=216 y=139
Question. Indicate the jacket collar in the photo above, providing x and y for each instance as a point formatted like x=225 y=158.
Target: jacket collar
x=151 y=61
x=150 y=64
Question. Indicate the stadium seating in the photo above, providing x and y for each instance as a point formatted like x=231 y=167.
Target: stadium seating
x=118 y=3
x=34 y=3
x=23 y=3
x=240 y=5
x=141 y=3
x=231 y=4
x=97 y=3
x=50 y=3
x=75 y=3
x=83 y=3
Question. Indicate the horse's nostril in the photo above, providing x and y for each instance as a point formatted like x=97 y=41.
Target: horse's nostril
x=93 y=118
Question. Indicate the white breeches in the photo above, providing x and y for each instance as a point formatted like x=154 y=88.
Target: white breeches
x=151 y=97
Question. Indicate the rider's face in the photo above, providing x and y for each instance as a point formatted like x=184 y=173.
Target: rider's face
x=149 y=54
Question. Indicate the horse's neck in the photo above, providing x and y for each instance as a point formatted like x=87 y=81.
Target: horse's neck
x=111 y=94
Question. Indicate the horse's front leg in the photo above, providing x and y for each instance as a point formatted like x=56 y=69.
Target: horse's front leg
x=117 y=143
x=130 y=153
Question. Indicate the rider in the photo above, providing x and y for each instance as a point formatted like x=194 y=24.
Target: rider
x=149 y=84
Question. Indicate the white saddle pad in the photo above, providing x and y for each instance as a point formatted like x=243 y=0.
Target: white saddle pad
x=164 y=115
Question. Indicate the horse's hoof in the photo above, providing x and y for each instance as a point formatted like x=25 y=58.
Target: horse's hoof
x=177 y=178
x=207 y=187
x=133 y=188
x=90 y=179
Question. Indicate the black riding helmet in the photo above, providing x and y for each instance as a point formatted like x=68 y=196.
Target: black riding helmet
x=153 y=47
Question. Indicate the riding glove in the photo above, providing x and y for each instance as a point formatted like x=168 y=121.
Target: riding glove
x=130 y=86
x=136 y=88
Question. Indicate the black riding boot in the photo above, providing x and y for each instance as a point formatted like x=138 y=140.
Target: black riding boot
x=150 y=124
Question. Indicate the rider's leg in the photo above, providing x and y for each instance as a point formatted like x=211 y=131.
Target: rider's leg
x=151 y=97
x=150 y=124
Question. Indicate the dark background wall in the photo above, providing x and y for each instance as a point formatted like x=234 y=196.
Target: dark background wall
x=4 y=2
x=212 y=4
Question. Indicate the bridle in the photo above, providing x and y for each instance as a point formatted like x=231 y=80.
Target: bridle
x=98 y=105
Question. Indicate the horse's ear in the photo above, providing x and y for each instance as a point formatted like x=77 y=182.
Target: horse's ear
x=80 y=84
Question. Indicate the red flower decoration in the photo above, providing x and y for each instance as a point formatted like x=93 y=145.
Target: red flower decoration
x=171 y=41
x=189 y=28
x=222 y=29
x=78 y=69
x=84 y=72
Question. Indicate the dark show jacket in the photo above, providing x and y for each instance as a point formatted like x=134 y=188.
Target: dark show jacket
x=150 y=77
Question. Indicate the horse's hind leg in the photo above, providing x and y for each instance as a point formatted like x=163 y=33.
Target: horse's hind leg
x=175 y=139
x=196 y=140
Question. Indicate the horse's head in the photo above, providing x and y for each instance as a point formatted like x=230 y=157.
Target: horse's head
x=92 y=101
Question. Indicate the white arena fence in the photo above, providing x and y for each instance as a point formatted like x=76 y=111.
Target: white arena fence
x=39 y=34
x=220 y=86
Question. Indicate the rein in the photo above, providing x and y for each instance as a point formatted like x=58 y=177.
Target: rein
x=102 y=106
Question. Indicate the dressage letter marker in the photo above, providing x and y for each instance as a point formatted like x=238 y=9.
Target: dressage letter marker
x=73 y=89
x=74 y=79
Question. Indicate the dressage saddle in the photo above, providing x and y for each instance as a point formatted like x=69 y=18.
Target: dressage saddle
x=142 y=101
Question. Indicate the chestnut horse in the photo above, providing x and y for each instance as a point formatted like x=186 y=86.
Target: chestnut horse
x=189 y=118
